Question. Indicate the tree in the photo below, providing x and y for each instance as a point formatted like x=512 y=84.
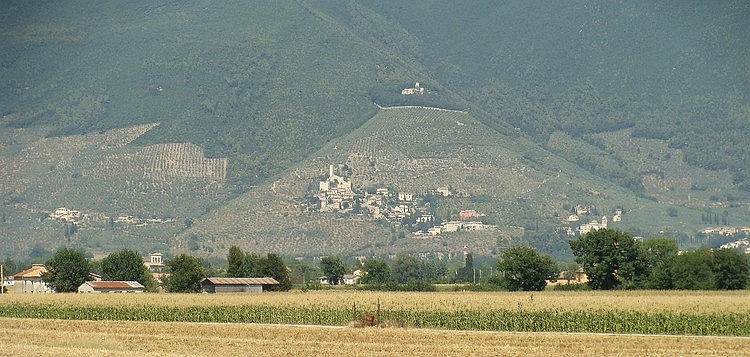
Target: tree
x=730 y=269
x=658 y=257
x=333 y=268
x=185 y=274
x=656 y=249
x=127 y=265
x=376 y=271
x=303 y=274
x=273 y=267
x=660 y=275
x=609 y=258
x=703 y=269
x=523 y=268
x=466 y=273
x=11 y=267
x=434 y=271
x=66 y=270
x=406 y=268
x=236 y=261
x=250 y=264
x=693 y=271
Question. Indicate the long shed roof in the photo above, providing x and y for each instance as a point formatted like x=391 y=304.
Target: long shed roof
x=242 y=281
x=114 y=284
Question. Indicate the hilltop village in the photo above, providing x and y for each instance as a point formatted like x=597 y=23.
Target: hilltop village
x=415 y=211
x=410 y=210
x=335 y=192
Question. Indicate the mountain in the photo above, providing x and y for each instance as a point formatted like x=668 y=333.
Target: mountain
x=192 y=126
x=511 y=185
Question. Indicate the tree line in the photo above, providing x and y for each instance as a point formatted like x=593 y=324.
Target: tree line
x=610 y=259
x=523 y=268
x=615 y=260
x=69 y=268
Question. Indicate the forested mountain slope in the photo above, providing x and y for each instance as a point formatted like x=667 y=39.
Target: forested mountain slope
x=675 y=70
x=183 y=112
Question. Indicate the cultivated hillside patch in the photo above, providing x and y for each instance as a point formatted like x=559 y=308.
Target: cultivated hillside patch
x=411 y=150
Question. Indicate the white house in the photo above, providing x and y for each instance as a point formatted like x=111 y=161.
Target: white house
x=350 y=279
x=434 y=231
x=30 y=280
x=416 y=90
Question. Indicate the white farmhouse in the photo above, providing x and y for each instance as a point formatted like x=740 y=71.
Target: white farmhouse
x=416 y=90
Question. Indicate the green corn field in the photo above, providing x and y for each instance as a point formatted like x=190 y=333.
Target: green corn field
x=596 y=321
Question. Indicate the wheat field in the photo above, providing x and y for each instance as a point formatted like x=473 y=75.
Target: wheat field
x=115 y=337
x=120 y=338
x=699 y=302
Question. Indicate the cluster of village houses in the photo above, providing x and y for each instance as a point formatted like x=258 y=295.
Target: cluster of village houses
x=335 y=194
x=738 y=243
x=67 y=215
x=593 y=225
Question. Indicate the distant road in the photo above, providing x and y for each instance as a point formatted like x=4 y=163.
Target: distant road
x=419 y=107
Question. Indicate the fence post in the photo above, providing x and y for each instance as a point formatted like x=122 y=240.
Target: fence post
x=377 y=316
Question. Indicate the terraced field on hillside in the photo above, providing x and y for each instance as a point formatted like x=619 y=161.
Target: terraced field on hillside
x=408 y=149
x=101 y=175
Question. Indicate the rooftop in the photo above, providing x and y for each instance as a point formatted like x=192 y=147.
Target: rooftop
x=242 y=281
x=115 y=284
x=35 y=272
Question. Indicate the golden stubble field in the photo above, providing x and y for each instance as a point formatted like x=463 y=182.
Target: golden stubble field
x=638 y=300
x=23 y=337
x=87 y=338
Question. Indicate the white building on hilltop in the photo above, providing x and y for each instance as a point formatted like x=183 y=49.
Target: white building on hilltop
x=416 y=90
x=593 y=226
x=334 y=191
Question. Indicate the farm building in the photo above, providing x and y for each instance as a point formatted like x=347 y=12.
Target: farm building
x=237 y=285
x=111 y=287
x=30 y=280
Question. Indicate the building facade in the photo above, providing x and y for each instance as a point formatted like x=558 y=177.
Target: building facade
x=30 y=280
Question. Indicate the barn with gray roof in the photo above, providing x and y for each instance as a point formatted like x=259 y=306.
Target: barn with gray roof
x=237 y=285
